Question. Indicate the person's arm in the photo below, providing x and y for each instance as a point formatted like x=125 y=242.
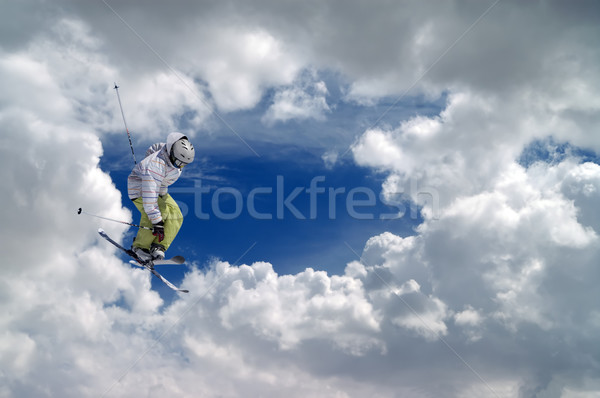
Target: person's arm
x=151 y=181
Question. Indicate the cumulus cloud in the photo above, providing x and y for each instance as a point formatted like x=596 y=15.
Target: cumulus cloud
x=503 y=244
x=56 y=282
x=494 y=294
x=240 y=65
x=307 y=100
x=290 y=309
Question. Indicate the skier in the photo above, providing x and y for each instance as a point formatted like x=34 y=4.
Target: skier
x=147 y=187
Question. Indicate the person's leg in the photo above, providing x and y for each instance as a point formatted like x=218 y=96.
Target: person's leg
x=172 y=218
x=144 y=237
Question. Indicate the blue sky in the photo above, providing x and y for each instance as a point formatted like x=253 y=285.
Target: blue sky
x=478 y=119
x=291 y=241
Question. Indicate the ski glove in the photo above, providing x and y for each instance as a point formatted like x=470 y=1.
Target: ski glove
x=158 y=230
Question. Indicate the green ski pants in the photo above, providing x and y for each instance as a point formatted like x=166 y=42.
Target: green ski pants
x=172 y=217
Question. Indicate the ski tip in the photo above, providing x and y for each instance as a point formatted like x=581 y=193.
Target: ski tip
x=184 y=291
x=100 y=231
x=178 y=259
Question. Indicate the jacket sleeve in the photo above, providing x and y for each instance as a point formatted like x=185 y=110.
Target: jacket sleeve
x=163 y=190
x=151 y=182
x=154 y=148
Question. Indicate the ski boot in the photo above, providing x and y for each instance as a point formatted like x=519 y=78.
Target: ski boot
x=142 y=254
x=157 y=251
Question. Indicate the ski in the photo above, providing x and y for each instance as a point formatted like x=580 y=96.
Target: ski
x=149 y=265
x=176 y=260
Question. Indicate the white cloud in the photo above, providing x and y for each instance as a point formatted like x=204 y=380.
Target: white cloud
x=241 y=64
x=330 y=158
x=376 y=149
x=430 y=322
x=290 y=309
x=160 y=102
x=503 y=268
x=508 y=241
x=306 y=100
x=468 y=317
x=57 y=285
x=76 y=76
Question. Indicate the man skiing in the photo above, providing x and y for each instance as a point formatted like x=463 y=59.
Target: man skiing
x=147 y=187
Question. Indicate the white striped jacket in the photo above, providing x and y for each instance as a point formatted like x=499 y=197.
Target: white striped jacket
x=153 y=175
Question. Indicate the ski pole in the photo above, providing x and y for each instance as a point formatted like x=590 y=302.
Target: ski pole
x=125 y=123
x=81 y=211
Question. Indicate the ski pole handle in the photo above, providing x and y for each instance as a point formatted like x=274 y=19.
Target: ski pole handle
x=81 y=211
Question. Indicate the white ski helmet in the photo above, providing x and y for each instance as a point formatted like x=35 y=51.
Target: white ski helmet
x=182 y=152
